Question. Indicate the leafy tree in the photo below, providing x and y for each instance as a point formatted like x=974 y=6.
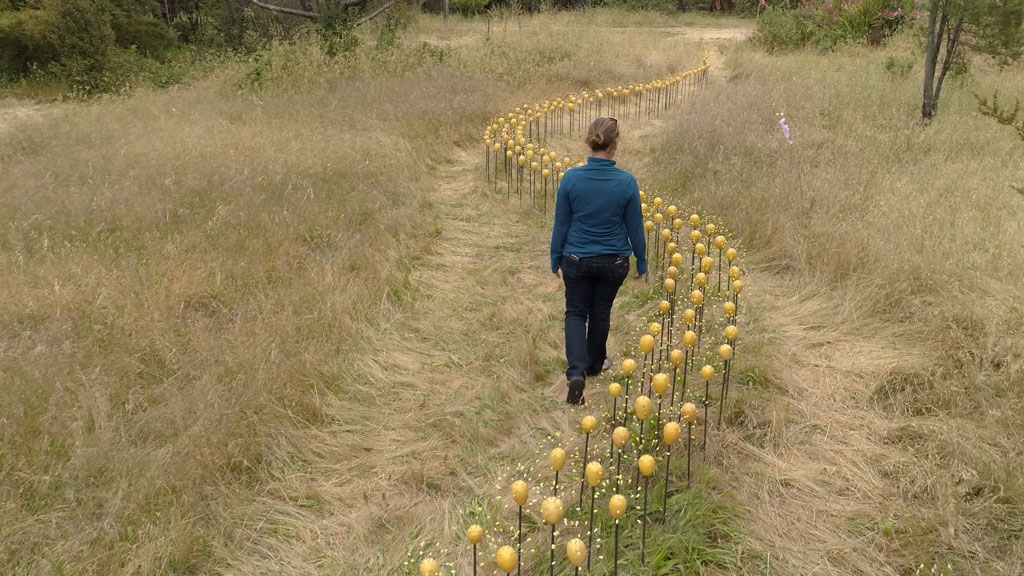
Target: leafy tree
x=83 y=36
x=992 y=27
x=1012 y=118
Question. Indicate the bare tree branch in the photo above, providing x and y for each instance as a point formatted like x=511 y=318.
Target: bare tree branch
x=283 y=10
x=375 y=13
x=307 y=12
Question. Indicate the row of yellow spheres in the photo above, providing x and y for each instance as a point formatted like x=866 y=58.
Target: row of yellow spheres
x=526 y=154
x=534 y=112
x=530 y=113
x=695 y=235
x=552 y=509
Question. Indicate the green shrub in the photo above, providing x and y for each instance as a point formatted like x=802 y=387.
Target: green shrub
x=664 y=6
x=780 y=29
x=84 y=38
x=25 y=43
x=899 y=66
x=147 y=35
x=830 y=23
x=467 y=7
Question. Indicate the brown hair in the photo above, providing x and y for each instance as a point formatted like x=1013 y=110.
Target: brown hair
x=603 y=132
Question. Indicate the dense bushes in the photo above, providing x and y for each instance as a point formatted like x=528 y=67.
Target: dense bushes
x=25 y=42
x=830 y=23
x=147 y=35
x=89 y=45
x=467 y=7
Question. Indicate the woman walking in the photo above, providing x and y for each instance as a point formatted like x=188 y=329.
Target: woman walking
x=598 y=225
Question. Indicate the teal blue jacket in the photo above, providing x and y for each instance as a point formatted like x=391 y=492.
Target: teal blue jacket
x=597 y=212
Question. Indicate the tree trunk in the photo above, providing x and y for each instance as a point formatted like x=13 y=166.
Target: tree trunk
x=931 y=55
x=952 y=43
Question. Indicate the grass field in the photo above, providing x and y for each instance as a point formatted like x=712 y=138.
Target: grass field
x=274 y=322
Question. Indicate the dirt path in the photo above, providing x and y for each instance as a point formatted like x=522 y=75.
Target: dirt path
x=713 y=34
x=16 y=112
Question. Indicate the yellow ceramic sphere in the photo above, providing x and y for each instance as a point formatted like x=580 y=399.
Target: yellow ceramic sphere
x=735 y=273
x=710 y=228
x=647 y=343
x=551 y=510
x=546 y=173
x=658 y=202
x=507 y=559
x=664 y=307
x=429 y=567
x=671 y=247
x=617 y=506
x=729 y=309
x=643 y=407
x=706 y=264
x=671 y=432
x=708 y=372
x=595 y=472
x=720 y=242
x=731 y=254
x=672 y=211
x=660 y=383
x=475 y=534
x=701 y=279
x=672 y=272
x=557 y=459
x=615 y=389
x=620 y=436
x=677 y=259
x=628 y=366
x=589 y=424
x=676 y=357
x=697 y=297
x=669 y=285
x=648 y=225
x=689 y=412
x=695 y=237
x=689 y=315
x=725 y=351
x=694 y=220
x=666 y=235
x=654 y=329
x=690 y=339
x=737 y=286
x=677 y=224
x=731 y=332
x=520 y=492
x=659 y=217
x=700 y=249
x=576 y=550
x=646 y=465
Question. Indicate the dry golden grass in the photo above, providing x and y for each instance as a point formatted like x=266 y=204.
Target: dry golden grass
x=267 y=323
x=275 y=323
x=880 y=428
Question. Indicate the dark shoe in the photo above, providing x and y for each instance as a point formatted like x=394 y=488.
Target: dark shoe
x=575 y=395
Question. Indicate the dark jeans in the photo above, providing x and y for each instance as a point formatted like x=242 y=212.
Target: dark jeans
x=590 y=288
